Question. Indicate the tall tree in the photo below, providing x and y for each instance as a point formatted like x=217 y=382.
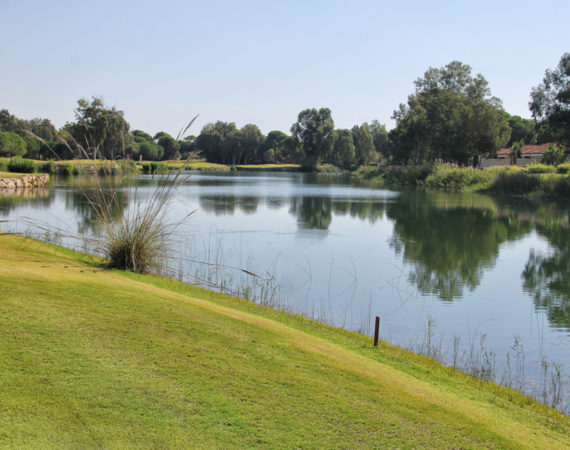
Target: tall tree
x=365 y=153
x=11 y=144
x=314 y=131
x=550 y=100
x=343 y=154
x=521 y=130
x=171 y=148
x=99 y=132
x=451 y=117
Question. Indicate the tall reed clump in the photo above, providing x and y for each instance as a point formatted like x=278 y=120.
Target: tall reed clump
x=140 y=239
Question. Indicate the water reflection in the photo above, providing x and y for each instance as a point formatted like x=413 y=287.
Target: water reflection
x=11 y=199
x=449 y=240
x=546 y=277
x=313 y=213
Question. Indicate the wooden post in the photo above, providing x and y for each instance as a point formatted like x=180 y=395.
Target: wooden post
x=376 y=330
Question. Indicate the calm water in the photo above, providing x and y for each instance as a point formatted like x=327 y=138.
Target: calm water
x=486 y=271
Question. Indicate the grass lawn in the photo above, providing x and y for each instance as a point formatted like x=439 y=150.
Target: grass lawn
x=13 y=175
x=98 y=358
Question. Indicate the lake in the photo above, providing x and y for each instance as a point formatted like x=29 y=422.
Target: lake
x=477 y=281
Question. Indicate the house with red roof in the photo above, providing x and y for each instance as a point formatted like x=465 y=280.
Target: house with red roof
x=527 y=151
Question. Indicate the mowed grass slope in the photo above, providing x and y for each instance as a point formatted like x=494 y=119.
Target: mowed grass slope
x=91 y=357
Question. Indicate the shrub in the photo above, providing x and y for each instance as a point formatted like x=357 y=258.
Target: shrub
x=48 y=167
x=449 y=176
x=541 y=168
x=154 y=167
x=563 y=168
x=128 y=166
x=407 y=176
x=515 y=182
x=108 y=170
x=21 y=165
x=3 y=165
x=554 y=155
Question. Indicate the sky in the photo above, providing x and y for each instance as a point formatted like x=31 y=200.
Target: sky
x=263 y=62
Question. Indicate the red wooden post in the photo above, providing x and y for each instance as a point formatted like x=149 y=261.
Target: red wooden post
x=376 y=330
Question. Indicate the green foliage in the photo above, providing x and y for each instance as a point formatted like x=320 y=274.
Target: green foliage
x=553 y=155
x=3 y=164
x=563 y=168
x=48 y=167
x=98 y=132
x=12 y=144
x=109 y=170
x=343 y=153
x=451 y=117
x=550 y=101
x=541 y=168
x=407 y=175
x=515 y=182
x=154 y=168
x=21 y=165
x=521 y=130
x=365 y=153
x=171 y=148
x=128 y=166
x=150 y=151
x=314 y=131
x=449 y=176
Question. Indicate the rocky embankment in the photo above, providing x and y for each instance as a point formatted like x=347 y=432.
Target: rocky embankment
x=25 y=181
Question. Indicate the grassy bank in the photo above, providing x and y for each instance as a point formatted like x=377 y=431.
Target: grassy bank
x=539 y=180
x=92 y=357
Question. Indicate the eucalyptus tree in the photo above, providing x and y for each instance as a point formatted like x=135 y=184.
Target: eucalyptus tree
x=451 y=117
x=314 y=131
x=550 y=100
x=344 y=150
x=98 y=132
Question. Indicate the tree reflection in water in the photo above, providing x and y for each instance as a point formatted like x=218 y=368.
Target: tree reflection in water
x=449 y=243
x=547 y=277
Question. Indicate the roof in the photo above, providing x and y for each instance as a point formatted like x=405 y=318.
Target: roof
x=526 y=150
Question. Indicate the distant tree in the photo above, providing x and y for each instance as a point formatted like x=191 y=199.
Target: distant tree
x=550 y=100
x=521 y=129
x=43 y=128
x=275 y=141
x=98 y=132
x=379 y=135
x=215 y=141
x=187 y=145
x=11 y=144
x=251 y=140
x=171 y=148
x=365 y=152
x=343 y=154
x=11 y=123
x=314 y=131
x=451 y=117
x=150 y=151
x=141 y=136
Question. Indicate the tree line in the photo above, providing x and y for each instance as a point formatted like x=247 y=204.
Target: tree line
x=450 y=117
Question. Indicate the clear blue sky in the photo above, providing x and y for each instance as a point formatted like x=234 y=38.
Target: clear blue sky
x=262 y=62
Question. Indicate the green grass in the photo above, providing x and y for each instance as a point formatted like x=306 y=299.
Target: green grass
x=13 y=175
x=96 y=358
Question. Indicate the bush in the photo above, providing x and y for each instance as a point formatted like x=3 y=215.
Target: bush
x=563 y=168
x=554 y=155
x=48 y=167
x=128 y=166
x=407 y=176
x=108 y=170
x=3 y=165
x=449 y=176
x=154 y=167
x=515 y=182
x=541 y=168
x=21 y=165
